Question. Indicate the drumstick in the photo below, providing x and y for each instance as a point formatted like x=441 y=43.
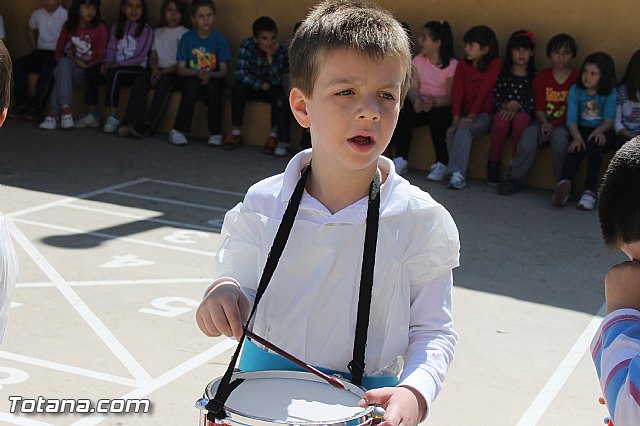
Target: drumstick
x=333 y=381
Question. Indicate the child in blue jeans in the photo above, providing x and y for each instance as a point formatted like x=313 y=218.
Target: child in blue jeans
x=203 y=55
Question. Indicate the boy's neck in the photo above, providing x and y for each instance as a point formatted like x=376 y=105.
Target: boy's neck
x=52 y=10
x=204 y=34
x=337 y=191
x=561 y=74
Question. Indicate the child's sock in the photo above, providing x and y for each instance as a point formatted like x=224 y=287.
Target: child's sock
x=65 y=110
x=274 y=134
x=236 y=132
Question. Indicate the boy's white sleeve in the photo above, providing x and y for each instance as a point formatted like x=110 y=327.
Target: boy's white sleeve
x=616 y=354
x=8 y=274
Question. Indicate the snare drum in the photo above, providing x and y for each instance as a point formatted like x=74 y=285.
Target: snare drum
x=267 y=398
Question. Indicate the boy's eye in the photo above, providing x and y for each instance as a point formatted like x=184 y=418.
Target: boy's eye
x=388 y=96
x=345 y=92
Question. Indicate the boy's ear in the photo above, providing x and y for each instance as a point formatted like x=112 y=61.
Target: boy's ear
x=3 y=116
x=298 y=103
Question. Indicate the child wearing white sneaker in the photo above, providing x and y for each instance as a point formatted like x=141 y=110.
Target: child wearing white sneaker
x=203 y=55
x=429 y=99
x=81 y=47
x=130 y=40
x=591 y=111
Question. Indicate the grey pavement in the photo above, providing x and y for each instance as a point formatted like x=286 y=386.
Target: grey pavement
x=116 y=236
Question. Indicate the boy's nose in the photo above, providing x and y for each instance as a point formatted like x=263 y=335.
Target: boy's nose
x=369 y=112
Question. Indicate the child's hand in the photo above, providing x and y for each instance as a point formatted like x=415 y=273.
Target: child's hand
x=622 y=286
x=577 y=145
x=204 y=75
x=418 y=105
x=223 y=311
x=105 y=67
x=272 y=51
x=506 y=114
x=513 y=106
x=265 y=86
x=428 y=104
x=598 y=137
x=155 y=76
x=545 y=131
x=402 y=405
x=466 y=121
x=625 y=134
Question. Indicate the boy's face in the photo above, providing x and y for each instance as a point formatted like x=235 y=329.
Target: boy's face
x=203 y=18
x=51 y=5
x=561 y=58
x=631 y=250
x=132 y=10
x=265 y=40
x=353 y=109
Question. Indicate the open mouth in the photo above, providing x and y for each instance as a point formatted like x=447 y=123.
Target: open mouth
x=361 y=140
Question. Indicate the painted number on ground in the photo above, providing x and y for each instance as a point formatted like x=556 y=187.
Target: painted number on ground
x=170 y=307
x=126 y=261
x=185 y=236
x=11 y=376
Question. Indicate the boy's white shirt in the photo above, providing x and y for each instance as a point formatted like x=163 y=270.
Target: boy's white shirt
x=8 y=274
x=48 y=26
x=310 y=307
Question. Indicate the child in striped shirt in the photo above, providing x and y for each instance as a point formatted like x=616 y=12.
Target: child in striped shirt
x=616 y=346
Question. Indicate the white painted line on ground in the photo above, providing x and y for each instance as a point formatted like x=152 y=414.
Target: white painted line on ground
x=170 y=201
x=199 y=188
x=80 y=306
x=107 y=236
x=68 y=200
x=21 y=421
x=167 y=378
x=68 y=369
x=541 y=403
x=118 y=282
x=143 y=218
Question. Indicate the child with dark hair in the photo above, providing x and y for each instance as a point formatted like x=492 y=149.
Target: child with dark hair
x=8 y=257
x=44 y=28
x=130 y=40
x=80 y=51
x=627 y=124
x=471 y=95
x=616 y=346
x=551 y=88
x=160 y=74
x=591 y=111
x=203 y=56
x=350 y=71
x=429 y=99
x=259 y=74
x=513 y=99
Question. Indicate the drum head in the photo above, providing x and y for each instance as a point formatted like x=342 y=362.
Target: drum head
x=292 y=397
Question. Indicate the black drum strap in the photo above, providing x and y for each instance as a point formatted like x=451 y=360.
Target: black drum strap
x=215 y=406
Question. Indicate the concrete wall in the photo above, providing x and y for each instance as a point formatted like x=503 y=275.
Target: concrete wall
x=596 y=24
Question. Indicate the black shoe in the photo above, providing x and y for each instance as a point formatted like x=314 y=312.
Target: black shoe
x=493 y=172
x=138 y=131
x=509 y=186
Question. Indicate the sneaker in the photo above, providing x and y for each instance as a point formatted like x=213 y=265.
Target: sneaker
x=457 y=181
x=66 y=121
x=87 y=120
x=401 y=165
x=177 y=138
x=493 y=172
x=112 y=124
x=270 y=145
x=437 y=172
x=232 y=141
x=124 y=130
x=509 y=186
x=282 y=150
x=587 y=201
x=138 y=131
x=49 y=123
x=561 y=193
x=215 y=140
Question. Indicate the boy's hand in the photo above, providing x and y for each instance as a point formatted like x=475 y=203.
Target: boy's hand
x=203 y=75
x=404 y=406
x=598 y=137
x=223 y=311
x=577 y=145
x=545 y=131
x=622 y=286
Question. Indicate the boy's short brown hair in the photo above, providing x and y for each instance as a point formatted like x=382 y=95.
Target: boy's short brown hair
x=196 y=4
x=346 y=24
x=5 y=77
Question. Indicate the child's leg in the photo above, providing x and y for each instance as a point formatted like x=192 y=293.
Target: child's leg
x=64 y=75
x=520 y=122
x=163 y=89
x=138 y=98
x=460 y=148
x=118 y=77
x=191 y=90
x=45 y=77
x=403 y=132
x=280 y=113
x=240 y=93
x=21 y=69
x=560 y=140
x=571 y=164
x=213 y=98
x=594 y=160
x=499 y=133
x=92 y=81
x=527 y=152
x=439 y=120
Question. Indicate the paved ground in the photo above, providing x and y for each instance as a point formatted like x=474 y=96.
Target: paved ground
x=116 y=238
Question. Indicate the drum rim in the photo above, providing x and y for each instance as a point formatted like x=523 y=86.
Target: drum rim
x=285 y=374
